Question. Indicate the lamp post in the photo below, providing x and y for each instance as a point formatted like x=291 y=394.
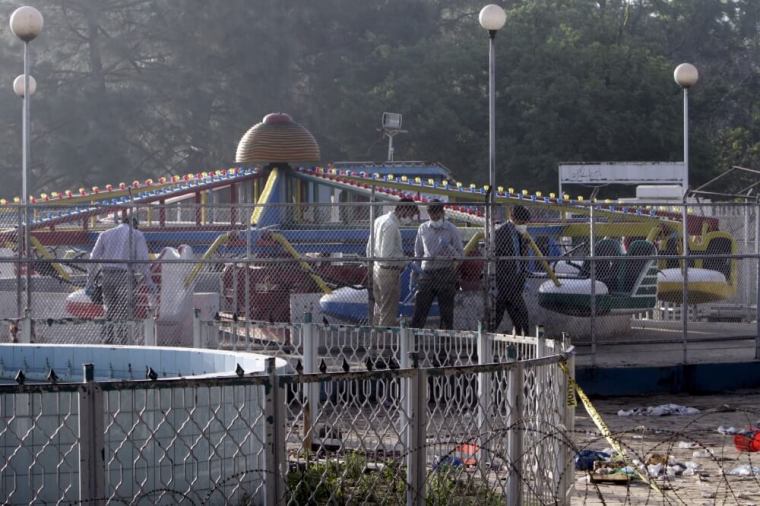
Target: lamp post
x=26 y=23
x=686 y=76
x=492 y=18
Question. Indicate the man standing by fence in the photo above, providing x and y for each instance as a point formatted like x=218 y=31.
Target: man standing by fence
x=439 y=242
x=120 y=245
x=389 y=253
x=511 y=272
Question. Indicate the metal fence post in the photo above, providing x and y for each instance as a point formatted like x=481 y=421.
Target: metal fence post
x=540 y=342
x=485 y=356
x=197 y=341
x=235 y=304
x=757 y=285
x=566 y=453
x=247 y=311
x=746 y=248
x=406 y=340
x=28 y=256
x=149 y=328
x=685 y=295
x=26 y=328
x=515 y=435
x=592 y=279
x=416 y=461
x=91 y=440
x=310 y=358
x=405 y=336
x=489 y=286
x=274 y=437
x=20 y=248
x=371 y=264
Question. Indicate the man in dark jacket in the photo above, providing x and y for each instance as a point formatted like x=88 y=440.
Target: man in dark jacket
x=511 y=273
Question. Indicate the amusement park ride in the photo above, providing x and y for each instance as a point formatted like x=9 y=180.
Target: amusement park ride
x=277 y=164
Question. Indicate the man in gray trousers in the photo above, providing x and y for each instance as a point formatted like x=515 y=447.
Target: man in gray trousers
x=440 y=244
x=121 y=244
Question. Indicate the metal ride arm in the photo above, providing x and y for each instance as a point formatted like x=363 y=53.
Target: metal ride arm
x=473 y=243
x=282 y=241
x=218 y=242
x=43 y=252
x=544 y=263
x=463 y=194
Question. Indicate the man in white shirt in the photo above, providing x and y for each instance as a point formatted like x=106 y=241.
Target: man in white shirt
x=389 y=262
x=120 y=245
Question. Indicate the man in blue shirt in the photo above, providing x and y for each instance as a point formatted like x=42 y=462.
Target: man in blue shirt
x=440 y=244
x=510 y=272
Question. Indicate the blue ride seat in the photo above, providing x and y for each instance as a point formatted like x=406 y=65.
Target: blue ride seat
x=718 y=246
x=607 y=271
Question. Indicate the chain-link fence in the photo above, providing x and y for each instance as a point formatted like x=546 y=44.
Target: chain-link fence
x=378 y=434
x=610 y=276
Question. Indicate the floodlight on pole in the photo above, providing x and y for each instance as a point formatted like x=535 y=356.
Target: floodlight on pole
x=391 y=123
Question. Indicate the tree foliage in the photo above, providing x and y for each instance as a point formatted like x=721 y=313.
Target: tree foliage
x=130 y=89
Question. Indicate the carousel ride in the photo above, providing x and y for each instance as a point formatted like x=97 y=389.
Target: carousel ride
x=277 y=176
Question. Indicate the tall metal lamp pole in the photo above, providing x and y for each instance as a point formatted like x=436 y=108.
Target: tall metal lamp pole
x=686 y=76
x=26 y=23
x=492 y=18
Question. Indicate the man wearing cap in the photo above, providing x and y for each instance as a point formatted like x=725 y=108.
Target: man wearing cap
x=511 y=273
x=388 y=253
x=121 y=244
x=438 y=245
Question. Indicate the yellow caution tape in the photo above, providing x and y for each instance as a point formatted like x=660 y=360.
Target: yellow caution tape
x=599 y=422
x=572 y=400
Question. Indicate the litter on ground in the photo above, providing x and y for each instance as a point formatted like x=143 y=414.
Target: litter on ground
x=661 y=410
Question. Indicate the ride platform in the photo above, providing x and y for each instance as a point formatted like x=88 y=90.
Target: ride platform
x=650 y=359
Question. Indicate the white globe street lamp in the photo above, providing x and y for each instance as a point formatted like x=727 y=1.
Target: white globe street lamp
x=492 y=18
x=26 y=23
x=18 y=86
x=686 y=76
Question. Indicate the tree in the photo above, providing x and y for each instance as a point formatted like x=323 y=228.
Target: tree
x=131 y=89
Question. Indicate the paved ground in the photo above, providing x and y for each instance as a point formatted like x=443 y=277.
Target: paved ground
x=657 y=343
x=670 y=436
